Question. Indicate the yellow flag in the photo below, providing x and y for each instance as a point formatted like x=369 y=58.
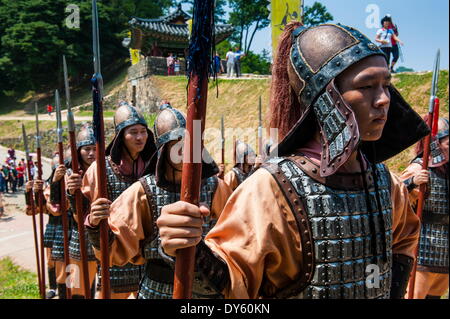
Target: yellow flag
x=283 y=11
x=135 y=56
x=189 y=23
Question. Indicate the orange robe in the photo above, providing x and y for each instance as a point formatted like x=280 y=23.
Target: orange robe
x=427 y=283
x=231 y=179
x=131 y=222
x=257 y=236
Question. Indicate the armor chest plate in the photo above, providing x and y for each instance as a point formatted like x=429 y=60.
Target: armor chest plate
x=116 y=183
x=436 y=205
x=239 y=175
x=351 y=237
x=158 y=278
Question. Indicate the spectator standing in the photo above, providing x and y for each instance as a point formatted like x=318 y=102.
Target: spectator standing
x=384 y=37
x=2 y=204
x=395 y=47
x=12 y=154
x=230 y=63
x=2 y=180
x=49 y=109
x=177 y=66
x=218 y=69
x=20 y=174
x=238 y=54
x=170 y=64
x=13 y=178
x=5 y=174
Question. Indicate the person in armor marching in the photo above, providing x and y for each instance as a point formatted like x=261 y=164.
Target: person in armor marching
x=128 y=155
x=132 y=216
x=86 y=156
x=325 y=219
x=432 y=280
x=50 y=228
x=245 y=159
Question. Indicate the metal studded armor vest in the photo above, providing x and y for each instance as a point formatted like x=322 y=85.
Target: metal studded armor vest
x=125 y=278
x=240 y=175
x=433 y=244
x=343 y=240
x=157 y=282
x=50 y=230
x=58 y=239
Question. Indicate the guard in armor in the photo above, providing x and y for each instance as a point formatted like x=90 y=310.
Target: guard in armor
x=318 y=220
x=245 y=159
x=86 y=156
x=128 y=156
x=50 y=228
x=132 y=216
x=432 y=280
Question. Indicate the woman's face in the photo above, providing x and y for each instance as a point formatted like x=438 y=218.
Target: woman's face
x=135 y=138
x=386 y=24
x=88 y=154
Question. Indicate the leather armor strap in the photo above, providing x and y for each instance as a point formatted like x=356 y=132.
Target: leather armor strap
x=304 y=229
x=94 y=236
x=212 y=268
x=55 y=192
x=401 y=269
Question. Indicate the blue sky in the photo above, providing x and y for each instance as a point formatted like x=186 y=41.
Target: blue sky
x=423 y=27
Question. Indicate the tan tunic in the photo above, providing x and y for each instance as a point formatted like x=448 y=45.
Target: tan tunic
x=257 y=235
x=131 y=222
x=231 y=179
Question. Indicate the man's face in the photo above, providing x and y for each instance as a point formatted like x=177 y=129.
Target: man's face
x=135 y=138
x=365 y=88
x=88 y=154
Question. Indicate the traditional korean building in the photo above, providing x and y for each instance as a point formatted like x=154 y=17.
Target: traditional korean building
x=167 y=34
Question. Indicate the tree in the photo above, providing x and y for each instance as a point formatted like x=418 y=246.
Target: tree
x=34 y=35
x=256 y=63
x=248 y=17
x=316 y=14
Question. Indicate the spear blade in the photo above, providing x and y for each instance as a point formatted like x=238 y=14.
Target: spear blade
x=59 y=129
x=435 y=79
x=38 y=135
x=96 y=48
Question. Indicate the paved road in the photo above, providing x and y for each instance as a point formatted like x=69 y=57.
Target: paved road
x=16 y=228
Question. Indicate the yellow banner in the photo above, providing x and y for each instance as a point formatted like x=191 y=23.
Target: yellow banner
x=135 y=56
x=283 y=11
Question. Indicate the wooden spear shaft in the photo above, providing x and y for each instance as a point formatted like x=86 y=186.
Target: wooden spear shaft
x=33 y=210
x=40 y=202
x=193 y=144
x=78 y=197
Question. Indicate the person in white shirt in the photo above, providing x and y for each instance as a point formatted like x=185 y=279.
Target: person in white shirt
x=230 y=63
x=384 y=37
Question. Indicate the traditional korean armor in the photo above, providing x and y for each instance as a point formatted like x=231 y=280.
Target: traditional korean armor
x=433 y=245
x=348 y=234
x=123 y=278
x=157 y=282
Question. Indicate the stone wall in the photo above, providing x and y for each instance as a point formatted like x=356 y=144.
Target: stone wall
x=147 y=96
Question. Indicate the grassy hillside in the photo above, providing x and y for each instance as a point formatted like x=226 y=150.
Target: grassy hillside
x=238 y=103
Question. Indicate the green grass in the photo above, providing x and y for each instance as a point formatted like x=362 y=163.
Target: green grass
x=89 y=113
x=16 y=283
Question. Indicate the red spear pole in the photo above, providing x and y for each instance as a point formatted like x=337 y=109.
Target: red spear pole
x=33 y=210
x=199 y=59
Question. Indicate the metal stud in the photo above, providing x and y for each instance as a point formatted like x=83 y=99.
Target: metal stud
x=314 y=170
x=302 y=162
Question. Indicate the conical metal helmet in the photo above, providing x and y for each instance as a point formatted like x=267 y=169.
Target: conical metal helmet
x=127 y=115
x=318 y=55
x=85 y=136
